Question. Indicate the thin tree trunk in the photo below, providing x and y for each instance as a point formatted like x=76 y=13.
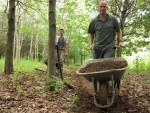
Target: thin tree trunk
x=36 y=47
x=18 y=35
x=52 y=36
x=14 y=48
x=122 y=21
x=10 y=38
x=67 y=52
x=31 y=49
x=123 y=14
x=18 y=41
x=19 y=46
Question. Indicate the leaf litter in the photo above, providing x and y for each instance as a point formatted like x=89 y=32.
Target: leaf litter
x=32 y=97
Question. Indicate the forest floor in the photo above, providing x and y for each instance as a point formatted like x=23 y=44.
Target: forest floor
x=28 y=94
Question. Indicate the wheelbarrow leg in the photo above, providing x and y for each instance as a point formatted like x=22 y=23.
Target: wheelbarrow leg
x=117 y=84
x=95 y=85
x=117 y=87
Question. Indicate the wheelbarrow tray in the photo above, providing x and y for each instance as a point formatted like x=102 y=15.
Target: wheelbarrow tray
x=103 y=75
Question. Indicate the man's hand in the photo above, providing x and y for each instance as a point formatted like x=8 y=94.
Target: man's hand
x=91 y=46
x=121 y=45
x=91 y=41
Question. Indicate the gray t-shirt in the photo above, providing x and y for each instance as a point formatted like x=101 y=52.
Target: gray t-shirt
x=104 y=31
x=61 y=42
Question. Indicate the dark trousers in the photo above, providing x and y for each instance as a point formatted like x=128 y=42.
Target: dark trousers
x=107 y=52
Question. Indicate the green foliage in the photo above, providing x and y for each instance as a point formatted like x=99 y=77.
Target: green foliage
x=2 y=65
x=147 y=81
x=139 y=66
x=71 y=16
x=16 y=81
x=24 y=65
x=74 y=16
x=27 y=65
x=54 y=84
x=73 y=100
x=67 y=82
x=136 y=25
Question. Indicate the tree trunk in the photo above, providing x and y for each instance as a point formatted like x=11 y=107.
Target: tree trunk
x=122 y=21
x=124 y=14
x=52 y=36
x=31 y=49
x=81 y=59
x=74 y=59
x=36 y=47
x=18 y=40
x=10 y=38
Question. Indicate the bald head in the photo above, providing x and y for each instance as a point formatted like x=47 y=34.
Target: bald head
x=103 y=2
x=103 y=7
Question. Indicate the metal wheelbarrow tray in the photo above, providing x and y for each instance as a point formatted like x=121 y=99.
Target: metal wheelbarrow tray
x=103 y=70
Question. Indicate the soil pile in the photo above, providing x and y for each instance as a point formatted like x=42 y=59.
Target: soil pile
x=104 y=64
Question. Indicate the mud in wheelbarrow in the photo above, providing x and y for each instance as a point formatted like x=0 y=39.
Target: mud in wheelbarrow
x=104 y=73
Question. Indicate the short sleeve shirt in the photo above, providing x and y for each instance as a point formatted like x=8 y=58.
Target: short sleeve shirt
x=104 y=31
x=61 y=42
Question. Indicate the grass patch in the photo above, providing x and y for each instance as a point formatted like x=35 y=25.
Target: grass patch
x=27 y=65
x=2 y=65
x=147 y=81
x=73 y=100
x=138 y=66
x=23 y=65
x=54 y=84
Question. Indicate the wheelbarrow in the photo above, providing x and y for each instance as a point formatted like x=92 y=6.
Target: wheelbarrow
x=105 y=74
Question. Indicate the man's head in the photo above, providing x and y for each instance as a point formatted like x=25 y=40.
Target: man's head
x=61 y=32
x=103 y=7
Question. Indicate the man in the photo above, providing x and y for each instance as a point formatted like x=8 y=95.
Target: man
x=103 y=29
x=61 y=42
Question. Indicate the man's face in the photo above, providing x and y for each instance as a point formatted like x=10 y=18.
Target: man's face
x=61 y=32
x=103 y=7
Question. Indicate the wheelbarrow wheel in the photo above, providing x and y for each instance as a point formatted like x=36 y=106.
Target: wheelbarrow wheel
x=104 y=98
x=103 y=92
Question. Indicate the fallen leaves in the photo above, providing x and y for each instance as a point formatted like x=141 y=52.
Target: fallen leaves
x=134 y=96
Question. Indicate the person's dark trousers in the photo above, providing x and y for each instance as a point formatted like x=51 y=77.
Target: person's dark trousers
x=98 y=53
x=107 y=52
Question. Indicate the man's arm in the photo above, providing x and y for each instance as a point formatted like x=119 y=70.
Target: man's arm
x=66 y=44
x=119 y=39
x=91 y=41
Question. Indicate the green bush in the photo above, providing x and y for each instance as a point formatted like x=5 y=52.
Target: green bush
x=23 y=65
x=73 y=100
x=139 y=66
x=2 y=65
x=54 y=84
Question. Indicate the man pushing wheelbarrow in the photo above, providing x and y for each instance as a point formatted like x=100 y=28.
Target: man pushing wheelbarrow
x=104 y=43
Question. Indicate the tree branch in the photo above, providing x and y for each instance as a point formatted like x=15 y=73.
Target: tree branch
x=28 y=6
x=135 y=33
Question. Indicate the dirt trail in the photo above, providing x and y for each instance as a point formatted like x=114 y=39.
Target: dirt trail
x=32 y=97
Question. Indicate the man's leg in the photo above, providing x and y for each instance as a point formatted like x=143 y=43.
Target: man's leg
x=62 y=56
x=109 y=52
x=97 y=53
